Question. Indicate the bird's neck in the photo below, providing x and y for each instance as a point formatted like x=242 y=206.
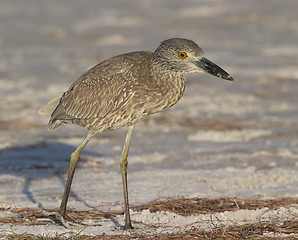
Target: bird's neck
x=171 y=84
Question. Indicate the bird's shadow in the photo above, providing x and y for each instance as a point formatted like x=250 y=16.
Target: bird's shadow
x=43 y=160
x=40 y=161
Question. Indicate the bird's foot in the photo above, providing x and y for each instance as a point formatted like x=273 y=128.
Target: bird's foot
x=65 y=220
x=127 y=225
x=62 y=218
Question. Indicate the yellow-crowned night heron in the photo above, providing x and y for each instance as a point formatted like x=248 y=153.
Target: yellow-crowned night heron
x=123 y=90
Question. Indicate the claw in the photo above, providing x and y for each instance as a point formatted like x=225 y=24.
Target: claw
x=64 y=219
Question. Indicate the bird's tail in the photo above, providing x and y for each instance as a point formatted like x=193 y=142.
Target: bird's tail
x=48 y=110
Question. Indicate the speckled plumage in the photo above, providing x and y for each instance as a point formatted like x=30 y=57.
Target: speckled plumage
x=119 y=92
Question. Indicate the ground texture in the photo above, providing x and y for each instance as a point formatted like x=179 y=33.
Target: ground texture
x=222 y=163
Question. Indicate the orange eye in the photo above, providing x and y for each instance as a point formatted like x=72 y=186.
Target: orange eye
x=182 y=55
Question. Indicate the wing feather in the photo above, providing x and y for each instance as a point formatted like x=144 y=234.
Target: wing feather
x=103 y=89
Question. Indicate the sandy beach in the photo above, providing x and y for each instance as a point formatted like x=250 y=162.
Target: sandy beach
x=221 y=140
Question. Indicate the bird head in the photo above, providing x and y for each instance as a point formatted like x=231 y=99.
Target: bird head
x=185 y=56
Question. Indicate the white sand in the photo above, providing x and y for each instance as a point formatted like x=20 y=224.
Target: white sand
x=249 y=151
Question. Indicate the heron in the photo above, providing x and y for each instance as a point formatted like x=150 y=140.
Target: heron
x=121 y=91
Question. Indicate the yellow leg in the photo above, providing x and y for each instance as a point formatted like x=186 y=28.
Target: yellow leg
x=72 y=166
x=123 y=166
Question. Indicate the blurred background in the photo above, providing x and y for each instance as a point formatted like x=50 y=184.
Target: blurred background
x=222 y=138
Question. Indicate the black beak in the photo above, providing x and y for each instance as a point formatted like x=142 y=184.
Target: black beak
x=213 y=69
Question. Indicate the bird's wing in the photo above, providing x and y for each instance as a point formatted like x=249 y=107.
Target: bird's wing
x=98 y=92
